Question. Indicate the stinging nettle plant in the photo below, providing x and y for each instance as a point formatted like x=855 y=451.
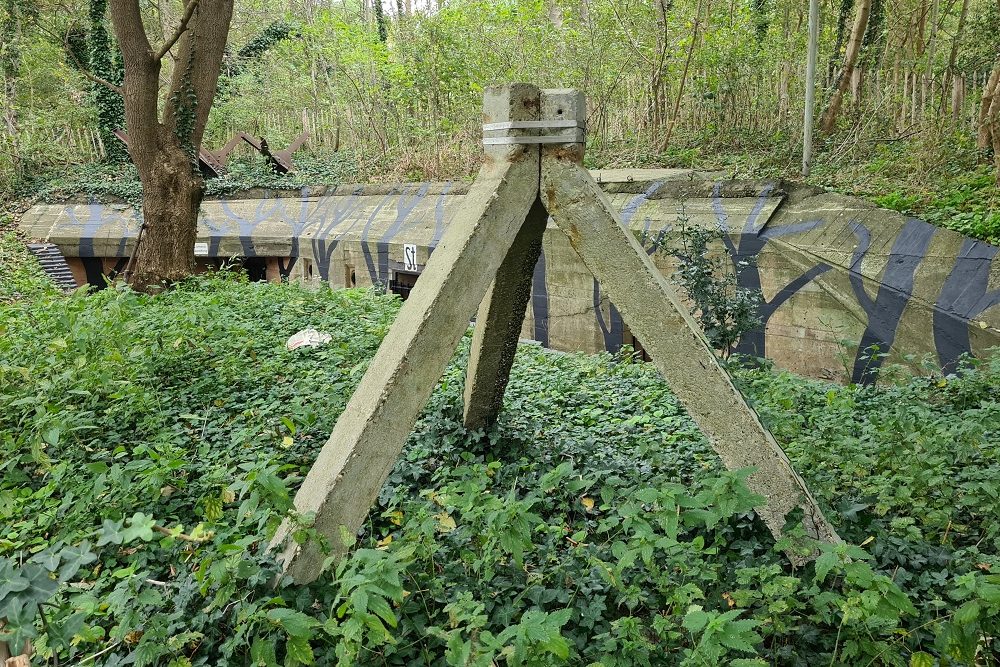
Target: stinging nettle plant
x=723 y=308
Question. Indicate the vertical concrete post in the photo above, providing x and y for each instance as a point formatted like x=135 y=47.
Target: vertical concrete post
x=654 y=313
x=501 y=314
x=498 y=324
x=368 y=437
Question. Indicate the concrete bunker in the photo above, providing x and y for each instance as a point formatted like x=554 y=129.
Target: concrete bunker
x=837 y=273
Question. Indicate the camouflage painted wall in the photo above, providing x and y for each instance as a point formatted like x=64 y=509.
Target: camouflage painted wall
x=837 y=273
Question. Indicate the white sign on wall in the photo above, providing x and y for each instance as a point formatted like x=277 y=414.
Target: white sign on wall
x=201 y=249
x=409 y=257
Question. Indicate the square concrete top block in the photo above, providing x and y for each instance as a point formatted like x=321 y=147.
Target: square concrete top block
x=564 y=104
x=510 y=103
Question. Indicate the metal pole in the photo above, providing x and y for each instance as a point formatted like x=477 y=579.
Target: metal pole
x=807 y=130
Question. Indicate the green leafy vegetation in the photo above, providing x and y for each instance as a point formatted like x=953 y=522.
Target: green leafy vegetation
x=120 y=182
x=20 y=275
x=398 y=91
x=152 y=444
x=724 y=310
x=967 y=202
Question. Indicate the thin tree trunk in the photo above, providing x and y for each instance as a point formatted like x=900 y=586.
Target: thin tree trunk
x=984 y=134
x=680 y=91
x=845 y=10
x=957 y=97
x=555 y=14
x=829 y=120
x=784 y=97
x=993 y=123
x=10 y=65
x=928 y=78
x=950 y=73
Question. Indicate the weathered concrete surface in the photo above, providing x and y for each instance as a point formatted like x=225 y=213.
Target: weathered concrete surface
x=499 y=321
x=371 y=432
x=822 y=260
x=651 y=309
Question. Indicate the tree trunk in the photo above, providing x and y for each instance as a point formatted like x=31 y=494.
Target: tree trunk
x=684 y=74
x=992 y=121
x=950 y=74
x=110 y=109
x=164 y=151
x=845 y=10
x=928 y=87
x=829 y=120
x=383 y=30
x=555 y=14
x=172 y=194
x=10 y=65
x=984 y=135
x=957 y=96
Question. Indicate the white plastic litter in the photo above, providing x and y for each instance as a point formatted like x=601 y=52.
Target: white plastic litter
x=308 y=338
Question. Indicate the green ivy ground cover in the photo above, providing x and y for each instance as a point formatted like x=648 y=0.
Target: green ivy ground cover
x=150 y=446
x=21 y=277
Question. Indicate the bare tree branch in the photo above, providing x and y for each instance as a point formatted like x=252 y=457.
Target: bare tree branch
x=181 y=27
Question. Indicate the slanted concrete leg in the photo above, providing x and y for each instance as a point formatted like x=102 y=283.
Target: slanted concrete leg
x=653 y=312
x=368 y=437
x=498 y=323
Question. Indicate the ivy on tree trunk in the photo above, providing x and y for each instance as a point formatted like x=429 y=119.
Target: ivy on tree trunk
x=165 y=148
x=104 y=60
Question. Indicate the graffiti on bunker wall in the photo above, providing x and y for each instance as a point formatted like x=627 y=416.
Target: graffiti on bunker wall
x=374 y=226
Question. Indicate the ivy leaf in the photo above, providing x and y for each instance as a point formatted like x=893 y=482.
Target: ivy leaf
x=73 y=559
x=10 y=580
x=41 y=587
x=110 y=533
x=49 y=559
x=19 y=625
x=921 y=659
x=62 y=633
x=140 y=527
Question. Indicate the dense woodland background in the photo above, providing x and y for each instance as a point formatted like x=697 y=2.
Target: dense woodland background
x=392 y=91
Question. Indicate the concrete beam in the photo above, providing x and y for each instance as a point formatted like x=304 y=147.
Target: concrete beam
x=368 y=437
x=498 y=324
x=655 y=314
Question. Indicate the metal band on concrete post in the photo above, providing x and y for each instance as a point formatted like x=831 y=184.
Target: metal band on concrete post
x=654 y=313
x=368 y=437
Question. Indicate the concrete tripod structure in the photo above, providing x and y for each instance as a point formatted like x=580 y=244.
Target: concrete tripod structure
x=532 y=169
